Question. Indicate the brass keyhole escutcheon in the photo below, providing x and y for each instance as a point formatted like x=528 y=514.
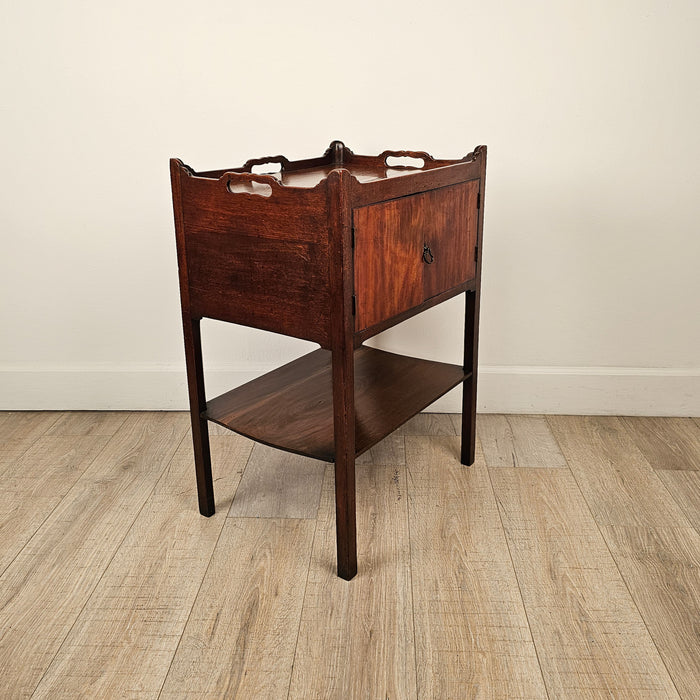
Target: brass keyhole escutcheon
x=428 y=256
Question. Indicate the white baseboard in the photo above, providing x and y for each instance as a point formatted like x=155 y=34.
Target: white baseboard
x=625 y=391
x=502 y=389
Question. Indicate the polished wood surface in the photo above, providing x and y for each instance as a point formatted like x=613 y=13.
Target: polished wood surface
x=292 y=407
x=372 y=170
x=254 y=260
x=413 y=248
x=333 y=250
x=493 y=582
x=365 y=334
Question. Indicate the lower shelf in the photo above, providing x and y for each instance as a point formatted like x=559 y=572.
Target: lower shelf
x=291 y=408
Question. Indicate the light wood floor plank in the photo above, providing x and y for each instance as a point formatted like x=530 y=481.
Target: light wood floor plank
x=618 y=483
x=356 y=638
x=88 y=423
x=125 y=638
x=518 y=441
x=684 y=486
x=472 y=635
x=590 y=638
x=390 y=450
x=216 y=429
x=661 y=568
x=428 y=424
x=44 y=589
x=240 y=638
x=103 y=598
x=278 y=484
x=26 y=425
x=18 y=432
x=34 y=485
x=667 y=443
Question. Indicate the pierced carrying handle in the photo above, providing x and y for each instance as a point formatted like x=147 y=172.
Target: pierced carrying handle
x=419 y=155
x=242 y=183
x=284 y=162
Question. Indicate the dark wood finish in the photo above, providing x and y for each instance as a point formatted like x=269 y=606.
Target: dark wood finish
x=372 y=180
x=471 y=332
x=292 y=407
x=193 y=360
x=422 y=155
x=343 y=371
x=361 y=336
x=275 y=251
x=413 y=248
x=468 y=446
x=200 y=429
x=255 y=260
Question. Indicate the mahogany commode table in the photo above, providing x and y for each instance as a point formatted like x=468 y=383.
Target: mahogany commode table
x=332 y=250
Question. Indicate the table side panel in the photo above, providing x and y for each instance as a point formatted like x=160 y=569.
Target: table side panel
x=258 y=261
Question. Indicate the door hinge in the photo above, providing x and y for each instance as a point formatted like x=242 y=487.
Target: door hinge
x=354 y=304
x=476 y=253
x=478 y=200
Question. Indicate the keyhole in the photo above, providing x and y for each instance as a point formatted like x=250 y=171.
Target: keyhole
x=428 y=256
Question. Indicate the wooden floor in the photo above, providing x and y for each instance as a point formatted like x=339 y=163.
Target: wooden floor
x=564 y=564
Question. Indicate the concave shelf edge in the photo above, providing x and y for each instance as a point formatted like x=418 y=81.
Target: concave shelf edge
x=291 y=407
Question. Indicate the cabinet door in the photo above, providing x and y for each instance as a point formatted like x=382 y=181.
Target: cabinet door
x=413 y=248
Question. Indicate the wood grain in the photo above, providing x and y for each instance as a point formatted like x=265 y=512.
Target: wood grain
x=48 y=583
x=25 y=425
x=88 y=423
x=302 y=260
x=684 y=486
x=391 y=275
x=619 y=485
x=239 y=640
x=472 y=635
x=667 y=443
x=390 y=450
x=356 y=640
x=292 y=406
x=98 y=599
x=258 y=261
x=428 y=424
x=456 y=419
x=591 y=640
x=34 y=485
x=125 y=638
x=660 y=567
x=518 y=441
x=278 y=484
x=374 y=179
x=19 y=430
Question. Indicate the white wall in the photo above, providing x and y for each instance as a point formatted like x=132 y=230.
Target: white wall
x=591 y=111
